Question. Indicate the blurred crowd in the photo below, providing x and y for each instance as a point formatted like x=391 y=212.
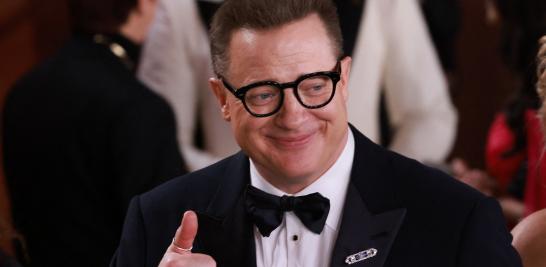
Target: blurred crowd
x=125 y=105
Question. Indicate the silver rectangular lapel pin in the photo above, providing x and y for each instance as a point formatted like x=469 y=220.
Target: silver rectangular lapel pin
x=360 y=256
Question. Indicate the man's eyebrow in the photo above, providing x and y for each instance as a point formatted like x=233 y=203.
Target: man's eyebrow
x=251 y=82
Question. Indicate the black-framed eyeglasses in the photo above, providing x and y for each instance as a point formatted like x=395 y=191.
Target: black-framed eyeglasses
x=265 y=98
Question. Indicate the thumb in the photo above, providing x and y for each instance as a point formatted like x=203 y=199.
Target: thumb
x=185 y=234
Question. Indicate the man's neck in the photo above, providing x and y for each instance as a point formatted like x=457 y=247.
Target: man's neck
x=132 y=33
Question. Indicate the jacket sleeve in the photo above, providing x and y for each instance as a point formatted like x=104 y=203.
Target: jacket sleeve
x=176 y=64
x=485 y=239
x=132 y=246
x=144 y=150
x=418 y=103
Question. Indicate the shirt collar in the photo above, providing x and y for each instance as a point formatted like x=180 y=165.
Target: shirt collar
x=332 y=184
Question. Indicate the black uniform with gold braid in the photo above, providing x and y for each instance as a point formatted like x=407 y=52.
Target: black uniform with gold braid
x=81 y=136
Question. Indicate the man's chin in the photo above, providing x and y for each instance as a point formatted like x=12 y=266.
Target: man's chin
x=295 y=173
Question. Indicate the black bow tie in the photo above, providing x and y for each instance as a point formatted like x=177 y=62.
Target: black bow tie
x=267 y=211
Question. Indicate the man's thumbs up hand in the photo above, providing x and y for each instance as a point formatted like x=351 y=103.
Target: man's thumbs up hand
x=179 y=252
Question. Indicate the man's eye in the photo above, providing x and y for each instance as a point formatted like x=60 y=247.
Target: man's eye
x=312 y=89
x=265 y=96
x=261 y=98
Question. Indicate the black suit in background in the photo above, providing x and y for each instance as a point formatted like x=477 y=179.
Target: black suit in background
x=413 y=215
x=81 y=137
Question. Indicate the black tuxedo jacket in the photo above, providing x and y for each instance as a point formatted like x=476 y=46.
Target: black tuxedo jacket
x=81 y=137
x=413 y=215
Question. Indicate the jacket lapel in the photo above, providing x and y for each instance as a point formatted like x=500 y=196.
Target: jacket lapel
x=371 y=216
x=360 y=231
x=225 y=232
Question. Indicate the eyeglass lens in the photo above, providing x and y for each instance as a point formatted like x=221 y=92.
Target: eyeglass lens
x=312 y=91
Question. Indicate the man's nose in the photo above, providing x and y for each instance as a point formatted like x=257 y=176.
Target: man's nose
x=292 y=113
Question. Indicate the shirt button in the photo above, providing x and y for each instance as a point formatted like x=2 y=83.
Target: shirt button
x=295 y=238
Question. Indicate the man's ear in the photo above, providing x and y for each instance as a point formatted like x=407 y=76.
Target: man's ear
x=344 y=79
x=218 y=89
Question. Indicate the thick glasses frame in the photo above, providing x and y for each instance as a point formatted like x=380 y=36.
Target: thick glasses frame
x=241 y=92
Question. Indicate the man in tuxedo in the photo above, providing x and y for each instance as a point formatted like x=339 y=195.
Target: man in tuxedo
x=307 y=189
x=82 y=136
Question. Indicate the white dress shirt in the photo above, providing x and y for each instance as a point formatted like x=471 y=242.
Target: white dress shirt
x=292 y=244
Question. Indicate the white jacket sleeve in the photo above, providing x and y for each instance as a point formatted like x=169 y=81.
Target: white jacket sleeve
x=394 y=52
x=175 y=63
x=418 y=103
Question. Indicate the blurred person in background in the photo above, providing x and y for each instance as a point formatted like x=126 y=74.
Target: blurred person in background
x=443 y=20
x=82 y=135
x=515 y=140
x=405 y=108
x=418 y=119
x=176 y=64
x=530 y=234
